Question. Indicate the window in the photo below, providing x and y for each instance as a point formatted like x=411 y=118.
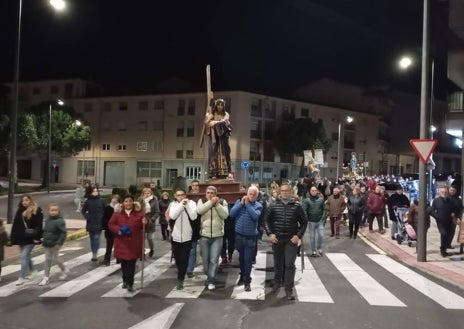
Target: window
x=54 y=89
x=304 y=112
x=88 y=169
x=123 y=106
x=159 y=105
x=158 y=125
x=122 y=126
x=143 y=106
x=158 y=146
x=106 y=107
x=190 y=128
x=142 y=126
x=148 y=169
x=269 y=130
x=267 y=174
x=254 y=148
x=188 y=147
x=181 y=107
x=36 y=90
x=180 y=129
x=68 y=90
x=191 y=107
x=189 y=154
x=105 y=147
x=179 y=154
x=122 y=147
x=255 y=129
x=87 y=107
x=192 y=172
x=142 y=146
x=255 y=108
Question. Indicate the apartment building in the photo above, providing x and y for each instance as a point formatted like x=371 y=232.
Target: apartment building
x=137 y=139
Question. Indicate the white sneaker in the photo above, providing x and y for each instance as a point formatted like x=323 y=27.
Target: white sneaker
x=211 y=287
x=20 y=282
x=44 y=281
x=31 y=275
x=64 y=274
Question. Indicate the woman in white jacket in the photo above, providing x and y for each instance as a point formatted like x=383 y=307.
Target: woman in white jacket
x=181 y=212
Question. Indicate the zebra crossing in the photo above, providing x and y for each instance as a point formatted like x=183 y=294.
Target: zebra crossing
x=160 y=278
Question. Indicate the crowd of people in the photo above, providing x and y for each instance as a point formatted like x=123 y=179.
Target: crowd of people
x=219 y=229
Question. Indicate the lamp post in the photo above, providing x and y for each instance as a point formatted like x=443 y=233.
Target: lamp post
x=60 y=103
x=79 y=123
x=58 y=5
x=348 y=119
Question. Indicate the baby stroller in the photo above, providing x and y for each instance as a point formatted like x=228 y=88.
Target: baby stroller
x=402 y=234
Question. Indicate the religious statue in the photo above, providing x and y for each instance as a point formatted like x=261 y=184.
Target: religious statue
x=217 y=131
x=353 y=162
x=311 y=168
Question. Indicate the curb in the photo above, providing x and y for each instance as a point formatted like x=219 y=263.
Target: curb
x=76 y=234
x=451 y=277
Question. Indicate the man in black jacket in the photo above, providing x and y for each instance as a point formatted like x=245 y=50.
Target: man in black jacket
x=286 y=223
x=397 y=199
x=444 y=210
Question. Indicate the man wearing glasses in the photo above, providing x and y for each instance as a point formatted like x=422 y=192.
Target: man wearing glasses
x=286 y=223
x=182 y=213
x=213 y=212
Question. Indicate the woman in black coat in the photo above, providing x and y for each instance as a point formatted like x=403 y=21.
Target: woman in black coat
x=93 y=211
x=28 y=216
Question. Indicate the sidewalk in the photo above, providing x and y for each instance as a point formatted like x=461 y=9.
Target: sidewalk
x=75 y=228
x=449 y=269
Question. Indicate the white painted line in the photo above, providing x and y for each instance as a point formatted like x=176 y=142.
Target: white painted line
x=368 y=287
x=258 y=279
x=370 y=244
x=15 y=268
x=151 y=273
x=193 y=287
x=80 y=283
x=71 y=248
x=442 y=296
x=309 y=286
x=12 y=288
x=161 y=320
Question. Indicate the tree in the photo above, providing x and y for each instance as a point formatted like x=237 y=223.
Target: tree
x=67 y=137
x=293 y=137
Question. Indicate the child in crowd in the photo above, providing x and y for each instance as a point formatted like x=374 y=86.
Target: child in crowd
x=54 y=235
x=3 y=242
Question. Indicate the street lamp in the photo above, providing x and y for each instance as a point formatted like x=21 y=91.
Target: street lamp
x=58 y=5
x=60 y=103
x=348 y=119
x=79 y=123
x=405 y=62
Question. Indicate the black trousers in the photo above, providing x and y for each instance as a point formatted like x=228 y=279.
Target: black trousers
x=164 y=231
x=181 y=251
x=355 y=221
x=109 y=236
x=128 y=271
x=228 y=242
x=284 y=262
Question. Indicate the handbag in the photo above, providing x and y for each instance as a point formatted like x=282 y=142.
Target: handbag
x=29 y=232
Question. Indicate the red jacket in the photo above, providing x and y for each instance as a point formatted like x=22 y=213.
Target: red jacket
x=376 y=203
x=127 y=247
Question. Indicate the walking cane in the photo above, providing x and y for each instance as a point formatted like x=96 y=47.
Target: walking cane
x=143 y=254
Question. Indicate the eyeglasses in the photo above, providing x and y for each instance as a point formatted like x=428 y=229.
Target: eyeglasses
x=180 y=194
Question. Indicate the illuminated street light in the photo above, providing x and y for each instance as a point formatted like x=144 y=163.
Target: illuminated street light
x=58 y=4
x=349 y=119
x=433 y=129
x=405 y=62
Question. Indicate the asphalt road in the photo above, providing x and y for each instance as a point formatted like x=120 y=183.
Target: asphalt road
x=64 y=199
x=351 y=286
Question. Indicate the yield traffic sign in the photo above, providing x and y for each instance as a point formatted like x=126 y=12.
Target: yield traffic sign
x=423 y=148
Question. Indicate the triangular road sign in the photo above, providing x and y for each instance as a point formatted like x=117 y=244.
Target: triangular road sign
x=423 y=148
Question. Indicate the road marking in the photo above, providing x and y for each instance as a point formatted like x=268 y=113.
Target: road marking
x=369 y=288
x=192 y=287
x=75 y=285
x=370 y=244
x=258 y=281
x=71 y=248
x=309 y=286
x=161 y=320
x=15 y=268
x=151 y=273
x=442 y=296
x=12 y=288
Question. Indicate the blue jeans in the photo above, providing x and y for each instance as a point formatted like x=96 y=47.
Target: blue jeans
x=94 y=241
x=26 y=261
x=316 y=235
x=210 y=251
x=192 y=257
x=245 y=246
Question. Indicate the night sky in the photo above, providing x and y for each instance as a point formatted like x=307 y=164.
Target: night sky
x=266 y=46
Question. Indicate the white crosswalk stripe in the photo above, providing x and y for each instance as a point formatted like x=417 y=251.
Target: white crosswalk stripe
x=15 y=267
x=372 y=291
x=309 y=287
x=442 y=296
